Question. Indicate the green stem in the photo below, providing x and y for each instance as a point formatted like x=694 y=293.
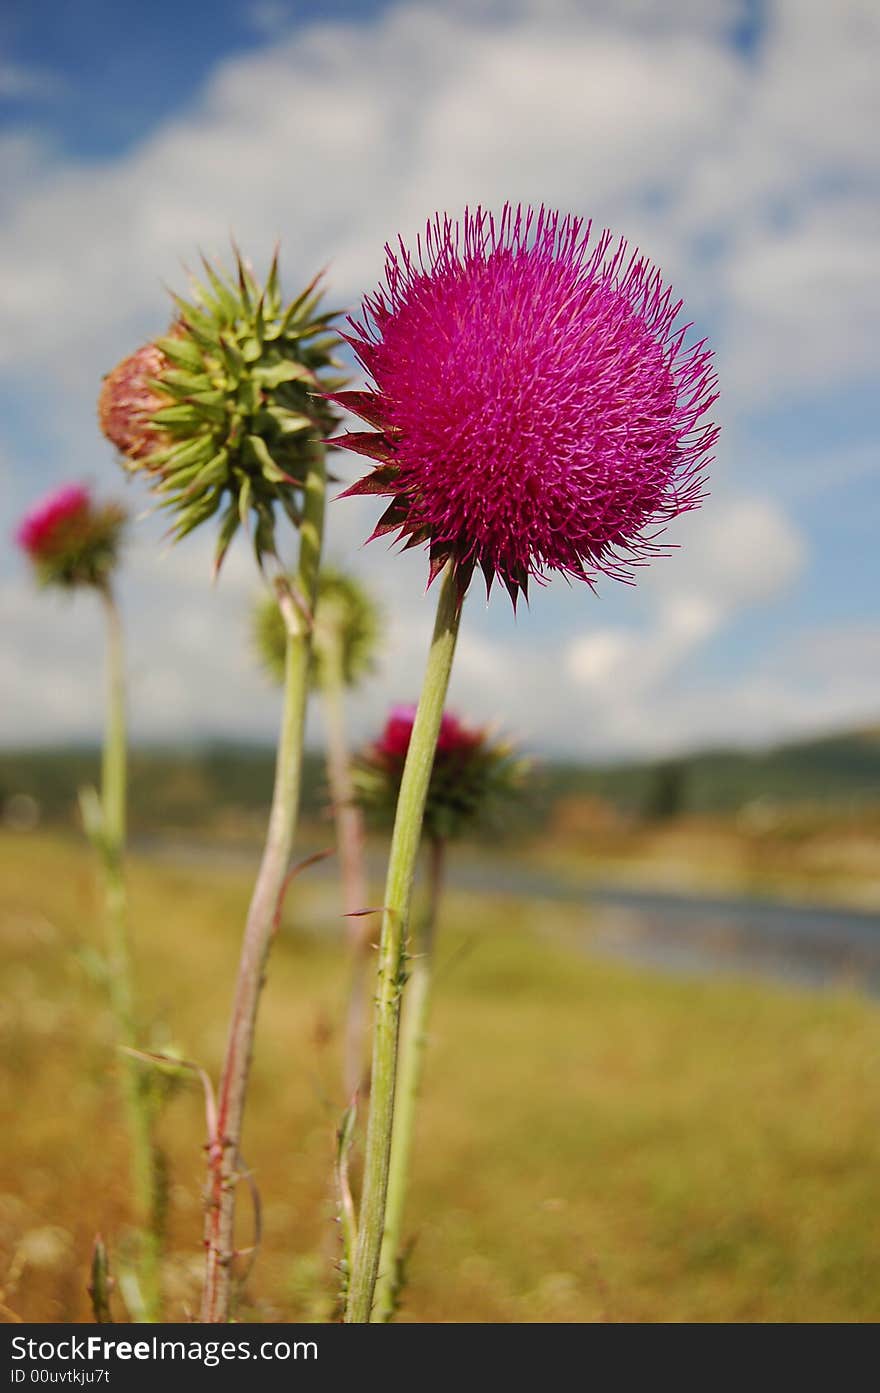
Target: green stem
x=392 y=949
x=350 y=845
x=113 y=766
x=413 y=1040
x=121 y=968
x=99 y=1284
x=224 y=1145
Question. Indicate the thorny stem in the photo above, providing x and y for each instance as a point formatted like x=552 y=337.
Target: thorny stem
x=100 y=1284
x=350 y=844
x=145 y=1175
x=392 y=949
x=224 y=1145
x=413 y=1039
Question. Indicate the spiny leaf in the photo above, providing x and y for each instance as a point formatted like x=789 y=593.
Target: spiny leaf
x=289 y=422
x=295 y=310
x=264 y=533
x=285 y=370
x=213 y=471
x=195 y=514
x=210 y=411
x=226 y=301
x=255 y=451
x=193 y=318
x=181 y=351
x=273 y=290
x=232 y=357
x=251 y=348
x=228 y=527
x=195 y=451
x=244 y=289
x=244 y=500
x=180 y=380
x=181 y=414
x=249 y=395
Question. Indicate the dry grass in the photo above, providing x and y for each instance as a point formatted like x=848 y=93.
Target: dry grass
x=597 y=1142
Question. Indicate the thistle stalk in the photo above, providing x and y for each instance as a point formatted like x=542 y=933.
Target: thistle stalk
x=392 y=949
x=413 y=1040
x=121 y=969
x=350 y=844
x=224 y=1145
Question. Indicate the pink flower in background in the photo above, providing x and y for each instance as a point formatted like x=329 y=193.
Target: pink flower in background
x=475 y=777
x=49 y=522
x=536 y=408
x=70 y=539
x=455 y=738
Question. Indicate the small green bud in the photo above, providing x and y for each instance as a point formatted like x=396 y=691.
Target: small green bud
x=346 y=632
x=238 y=387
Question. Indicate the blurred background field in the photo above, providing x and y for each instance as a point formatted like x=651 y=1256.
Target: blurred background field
x=600 y=1140
x=801 y=818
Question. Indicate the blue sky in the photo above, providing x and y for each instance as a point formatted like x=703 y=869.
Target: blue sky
x=728 y=138
x=111 y=73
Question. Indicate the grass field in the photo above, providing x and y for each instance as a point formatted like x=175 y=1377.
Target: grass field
x=597 y=1143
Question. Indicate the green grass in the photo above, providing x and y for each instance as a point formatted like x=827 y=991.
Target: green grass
x=596 y=1143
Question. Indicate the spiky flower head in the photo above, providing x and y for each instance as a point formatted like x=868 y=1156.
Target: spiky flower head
x=536 y=407
x=345 y=636
x=473 y=776
x=223 y=410
x=70 y=539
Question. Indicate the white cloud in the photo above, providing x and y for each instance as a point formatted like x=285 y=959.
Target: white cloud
x=613 y=689
x=430 y=107
x=808 y=296
x=821 y=679
x=738 y=554
x=818 y=680
x=736 y=551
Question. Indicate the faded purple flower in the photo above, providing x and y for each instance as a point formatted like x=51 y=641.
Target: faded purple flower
x=474 y=777
x=128 y=403
x=70 y=539
x=537 y=409
x=455 y=740
x=41 y=529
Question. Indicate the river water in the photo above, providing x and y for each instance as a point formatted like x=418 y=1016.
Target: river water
x=810 y=945
x=792 y=942
x=806 y=944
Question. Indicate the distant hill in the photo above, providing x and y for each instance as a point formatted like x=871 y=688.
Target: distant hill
x=831 y=770
x=185 y=788
x=228 y=785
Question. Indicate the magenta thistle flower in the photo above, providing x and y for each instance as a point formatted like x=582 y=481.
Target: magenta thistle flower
x=536 y=407
x=455 y=740
x=70 y=539
x=39 y=530
x=473 y=777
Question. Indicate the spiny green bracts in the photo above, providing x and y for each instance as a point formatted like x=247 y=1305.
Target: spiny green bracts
x=222 y=410
x=347 y=623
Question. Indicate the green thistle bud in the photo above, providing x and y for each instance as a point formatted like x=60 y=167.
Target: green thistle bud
x=345 y=638
x=221 y=412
